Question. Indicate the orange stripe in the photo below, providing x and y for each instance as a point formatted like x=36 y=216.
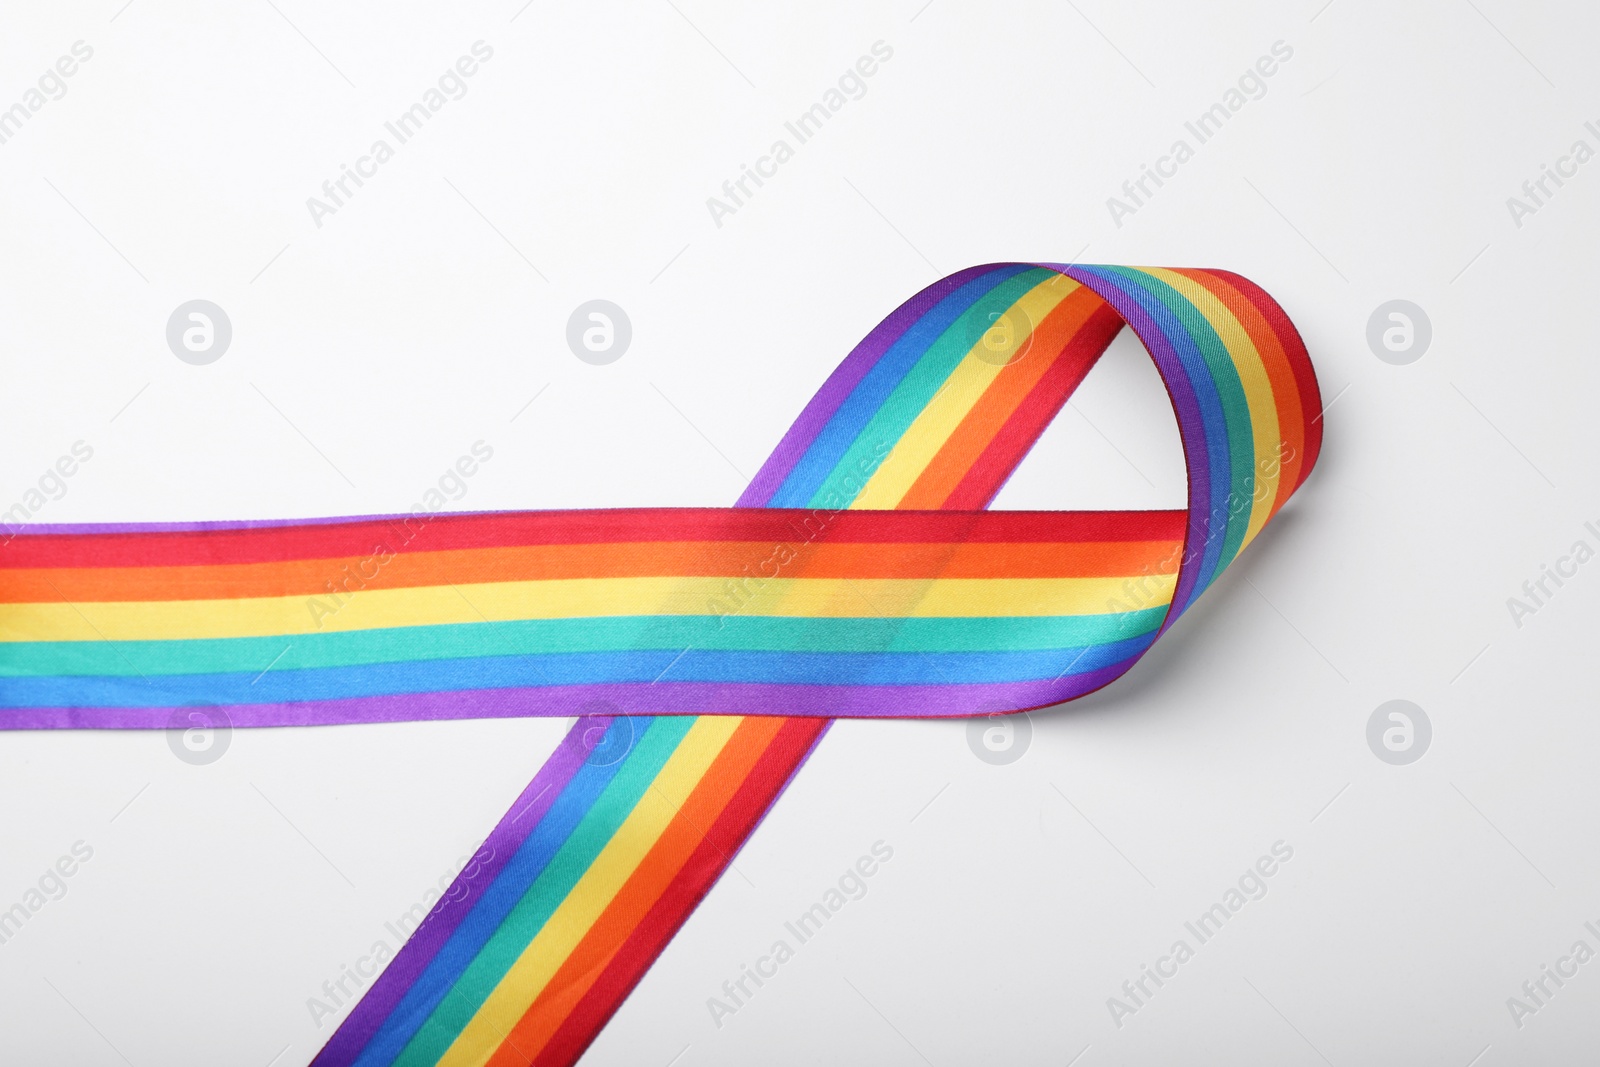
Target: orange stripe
x=1094 y=559
x=644 y=887
x=1285 y=391
x=1008 y=391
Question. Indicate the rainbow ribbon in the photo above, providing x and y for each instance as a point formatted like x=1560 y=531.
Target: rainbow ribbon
x=704 y=650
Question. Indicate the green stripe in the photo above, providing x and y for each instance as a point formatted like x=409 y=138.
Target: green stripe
x=735 y=633
x=1230 y=391
x=917 y=389
x=566 y=867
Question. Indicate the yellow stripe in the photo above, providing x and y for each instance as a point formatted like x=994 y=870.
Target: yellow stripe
x=966 y=385
x=592 y=894
x=1257 y=391
x=563 y=599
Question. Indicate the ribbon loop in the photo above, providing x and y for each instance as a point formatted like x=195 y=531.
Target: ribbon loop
x=705 y=650
x=859 y=576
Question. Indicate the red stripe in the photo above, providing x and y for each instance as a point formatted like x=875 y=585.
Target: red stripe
x=787 y=751
x=611 y=526
x=1299 y=362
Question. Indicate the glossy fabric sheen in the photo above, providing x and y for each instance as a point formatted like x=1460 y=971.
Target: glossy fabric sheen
x=705 y=650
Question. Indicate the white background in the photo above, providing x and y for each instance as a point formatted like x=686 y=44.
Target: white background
x=371 y=352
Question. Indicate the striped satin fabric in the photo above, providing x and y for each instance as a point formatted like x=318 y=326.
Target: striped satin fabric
x=706 y=650
x=540 y=612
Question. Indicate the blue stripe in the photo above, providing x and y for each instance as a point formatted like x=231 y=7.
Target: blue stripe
x=1213 y=422
x=1219 y=370
x=846 y=425
x=530 y=860
x=582 y=668
x=619 y=633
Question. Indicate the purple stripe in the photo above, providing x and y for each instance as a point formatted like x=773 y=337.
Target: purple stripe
x=1191 y=423
x=630 y=698
x=426 y=941
x=843 y=381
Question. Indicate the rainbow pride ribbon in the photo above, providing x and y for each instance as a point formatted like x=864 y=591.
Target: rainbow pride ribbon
x=705 y=651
